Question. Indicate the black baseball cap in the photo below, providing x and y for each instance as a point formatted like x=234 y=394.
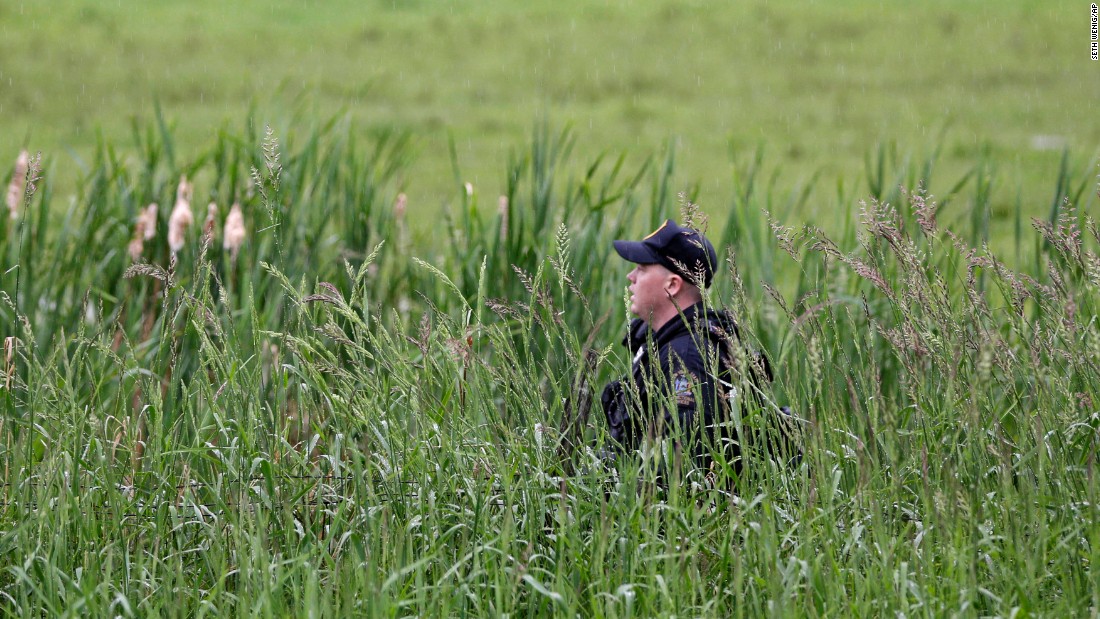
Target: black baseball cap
x=683 y=251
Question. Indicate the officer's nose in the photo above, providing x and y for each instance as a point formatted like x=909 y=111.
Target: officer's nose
x=632 y=275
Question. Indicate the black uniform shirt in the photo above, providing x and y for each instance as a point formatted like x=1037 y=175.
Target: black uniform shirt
x=673 y=379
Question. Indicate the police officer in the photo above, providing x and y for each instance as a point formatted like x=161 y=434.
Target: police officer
x=672 y=389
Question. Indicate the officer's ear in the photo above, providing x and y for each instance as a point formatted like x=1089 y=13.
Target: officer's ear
x=674 y=284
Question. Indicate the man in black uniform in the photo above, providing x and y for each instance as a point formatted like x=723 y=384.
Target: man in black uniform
x=673 y=389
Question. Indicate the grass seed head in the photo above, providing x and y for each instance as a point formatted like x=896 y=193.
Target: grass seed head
x=924 y=208
x=18 y=178
x=881 y=220
x=785 y=235
x=691 y=215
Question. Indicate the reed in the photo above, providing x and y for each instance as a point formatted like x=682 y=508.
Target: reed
x=14 y=197
x=317 y=417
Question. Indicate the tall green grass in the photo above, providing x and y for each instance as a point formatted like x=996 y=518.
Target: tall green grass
x=353 y=418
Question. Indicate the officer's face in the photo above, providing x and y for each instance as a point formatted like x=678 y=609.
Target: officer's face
x=649 y=291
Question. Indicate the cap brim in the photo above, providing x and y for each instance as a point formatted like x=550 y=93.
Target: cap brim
x=636 y=252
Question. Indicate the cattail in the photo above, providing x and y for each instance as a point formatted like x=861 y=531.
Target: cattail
x=137 y=244
x=184 y=190
x=469 y=190
x=181 y=217
x=502 y=210
x=151 y=221
x=233 y=234
x=145 y=228
x=399 y=206
x=9 y=361
x=18 y=177
x=209 y=227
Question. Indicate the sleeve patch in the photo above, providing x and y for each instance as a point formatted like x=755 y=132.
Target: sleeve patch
x=681 y=386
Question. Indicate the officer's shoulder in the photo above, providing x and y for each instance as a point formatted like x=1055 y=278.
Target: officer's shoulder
x=719 y=326
x=686 y=347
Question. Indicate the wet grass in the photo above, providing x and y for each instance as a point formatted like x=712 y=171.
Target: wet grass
x=352 y=418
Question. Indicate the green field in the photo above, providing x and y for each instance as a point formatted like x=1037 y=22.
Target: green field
x=296 y=427
x=370 y=410
x=818 y=86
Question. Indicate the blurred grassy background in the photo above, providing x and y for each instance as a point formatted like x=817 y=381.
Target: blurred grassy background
x=950 y=403
x=817 y=85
